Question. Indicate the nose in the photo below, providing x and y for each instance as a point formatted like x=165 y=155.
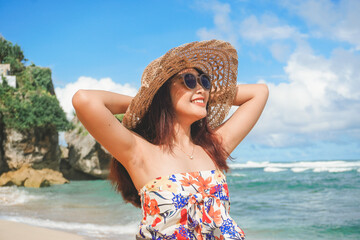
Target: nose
x=199 y=88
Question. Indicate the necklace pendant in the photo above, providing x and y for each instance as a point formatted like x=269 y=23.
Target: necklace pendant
x=191 y=157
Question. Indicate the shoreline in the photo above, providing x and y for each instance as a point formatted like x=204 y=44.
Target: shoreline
x=10 y=230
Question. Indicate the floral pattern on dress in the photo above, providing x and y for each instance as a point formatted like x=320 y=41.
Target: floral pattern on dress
x=191 y=205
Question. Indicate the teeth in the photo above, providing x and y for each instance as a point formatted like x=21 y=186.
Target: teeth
x=198 y=101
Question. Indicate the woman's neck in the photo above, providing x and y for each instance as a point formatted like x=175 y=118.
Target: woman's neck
x=182 y=135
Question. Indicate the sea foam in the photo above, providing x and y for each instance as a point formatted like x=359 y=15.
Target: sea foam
x=315 y=166
x=274 y=169
x=94 y=230
x=14 y=195
x=236 y=174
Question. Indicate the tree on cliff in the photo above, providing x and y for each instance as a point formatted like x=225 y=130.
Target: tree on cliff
x=33 y=103
x=12 y=55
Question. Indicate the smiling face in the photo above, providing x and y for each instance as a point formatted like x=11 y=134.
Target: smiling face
x=189 y=104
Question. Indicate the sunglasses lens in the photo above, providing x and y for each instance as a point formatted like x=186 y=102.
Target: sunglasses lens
x=205 y=81
x=190 y=80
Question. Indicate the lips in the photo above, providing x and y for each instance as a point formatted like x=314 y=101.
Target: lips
x=199 y=101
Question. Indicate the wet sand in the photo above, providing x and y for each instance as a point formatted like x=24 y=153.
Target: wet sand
x=19 y=231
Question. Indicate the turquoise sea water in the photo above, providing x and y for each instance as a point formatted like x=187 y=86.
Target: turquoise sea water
x=301 y=200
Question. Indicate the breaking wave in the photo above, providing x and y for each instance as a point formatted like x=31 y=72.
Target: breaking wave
x=14 y=195
x=316 y=166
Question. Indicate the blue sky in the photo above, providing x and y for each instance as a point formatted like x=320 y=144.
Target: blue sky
x=308 y=52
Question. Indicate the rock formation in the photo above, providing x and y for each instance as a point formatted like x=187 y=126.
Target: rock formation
x=85 y=155
x=37 y=147
x=29 y=177
x=3 y=165
x=83 y=159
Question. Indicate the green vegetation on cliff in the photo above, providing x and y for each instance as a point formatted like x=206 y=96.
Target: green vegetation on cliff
x=12 y=55
x=33 y=102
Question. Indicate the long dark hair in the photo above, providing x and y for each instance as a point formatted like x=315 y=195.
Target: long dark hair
x=157 y=127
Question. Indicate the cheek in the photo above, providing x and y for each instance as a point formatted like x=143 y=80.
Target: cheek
x=177 y=96
x=179 y=103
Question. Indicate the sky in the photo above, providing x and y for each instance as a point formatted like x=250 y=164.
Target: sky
x=307 y=52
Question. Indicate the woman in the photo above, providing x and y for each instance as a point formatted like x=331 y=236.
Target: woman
x=171 y=150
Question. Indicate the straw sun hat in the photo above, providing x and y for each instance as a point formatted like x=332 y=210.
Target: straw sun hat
x=215 y=57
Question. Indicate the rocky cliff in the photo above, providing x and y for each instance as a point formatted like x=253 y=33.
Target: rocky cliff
x=37 y=147
x=3 y=165
x=85 y=155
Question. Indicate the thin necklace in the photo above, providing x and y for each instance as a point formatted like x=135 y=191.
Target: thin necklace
x=192 y=153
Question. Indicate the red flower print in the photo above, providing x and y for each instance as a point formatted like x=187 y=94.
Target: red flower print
x=218 y=202
x=194 y=174
x=154 y=208
x=226 y=189
x=205 y=218
x=187 y=181
x=180 y=236
x=198 y=232
x=215 y=215
x=146 y=199
x=215 y=188
x=203 y=184
x=183 y=218
x=146 y=205
x=156 y=221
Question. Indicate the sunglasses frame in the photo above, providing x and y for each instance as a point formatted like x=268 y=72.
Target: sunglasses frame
x=198 y=80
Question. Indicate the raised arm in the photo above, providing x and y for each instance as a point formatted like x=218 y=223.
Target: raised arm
x=96 y=109
x=251 y=99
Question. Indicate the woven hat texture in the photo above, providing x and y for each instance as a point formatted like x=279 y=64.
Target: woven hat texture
x=215 y=57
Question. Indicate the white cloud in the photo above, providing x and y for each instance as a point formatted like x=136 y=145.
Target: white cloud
x=224 y=26
x=65 y=94
x=328 y=19
x=320 y=100
x=268 y=30
x=267 y=27
x=280 y=51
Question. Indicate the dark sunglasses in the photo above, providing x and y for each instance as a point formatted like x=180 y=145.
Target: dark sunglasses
x=190 y=80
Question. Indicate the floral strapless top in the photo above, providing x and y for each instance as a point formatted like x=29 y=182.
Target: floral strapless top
x=191 y=205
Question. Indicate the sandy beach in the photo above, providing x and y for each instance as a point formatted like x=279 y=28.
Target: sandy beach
x=18 y=231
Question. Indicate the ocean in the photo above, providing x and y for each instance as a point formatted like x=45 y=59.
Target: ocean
x=295 y=200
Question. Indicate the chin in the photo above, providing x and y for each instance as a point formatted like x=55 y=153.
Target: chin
x=201 y=115
x=192 y=113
